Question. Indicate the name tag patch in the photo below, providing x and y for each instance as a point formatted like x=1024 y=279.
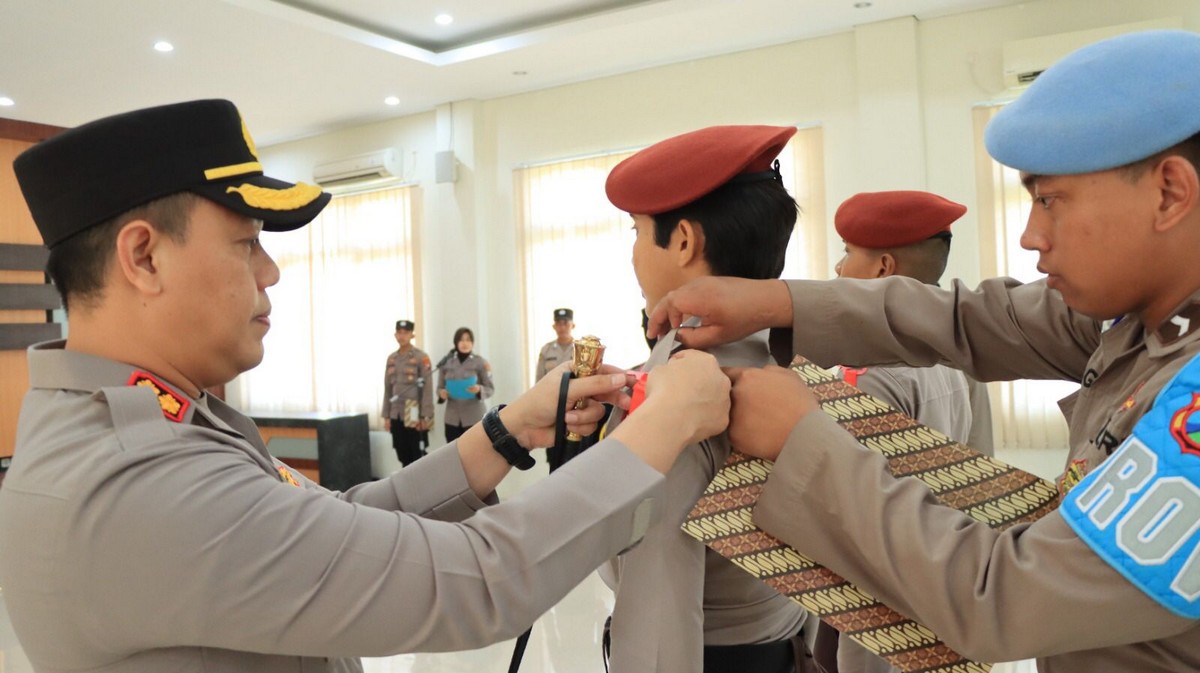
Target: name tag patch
x=1140 y=509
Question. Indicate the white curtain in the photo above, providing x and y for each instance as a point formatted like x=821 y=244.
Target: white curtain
x=344 y=281
x=1025 y=413
x=569 y=231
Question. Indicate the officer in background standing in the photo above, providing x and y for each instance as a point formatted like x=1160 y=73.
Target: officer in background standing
x=407 y=395
x=562 y=349
x=465 y=408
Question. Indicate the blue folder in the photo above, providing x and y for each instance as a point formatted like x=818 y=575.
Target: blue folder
x=457 y=388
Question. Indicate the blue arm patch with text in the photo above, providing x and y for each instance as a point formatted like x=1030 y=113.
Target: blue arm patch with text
x=1140 y=510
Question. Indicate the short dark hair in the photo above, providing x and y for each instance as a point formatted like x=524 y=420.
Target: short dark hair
x=923 y=260
x=746 y=227
x=77 y=266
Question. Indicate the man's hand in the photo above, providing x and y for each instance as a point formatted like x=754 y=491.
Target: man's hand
x=767 y=404
x=687 y=400
x=530 y=418
x=387 y=424
x=443 y=394
x=729 y=309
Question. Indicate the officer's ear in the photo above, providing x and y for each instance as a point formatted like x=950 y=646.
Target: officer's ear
x=137 y=248
x=1178 y=185
x=886 y=265
x=688 y=240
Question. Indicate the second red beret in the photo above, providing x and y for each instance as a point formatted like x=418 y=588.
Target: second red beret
x=894 y=219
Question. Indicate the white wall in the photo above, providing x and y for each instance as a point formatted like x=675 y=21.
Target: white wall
x=894 y=99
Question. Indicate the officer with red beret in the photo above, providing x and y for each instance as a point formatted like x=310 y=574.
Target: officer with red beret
x=707 y=202
x=904 y=233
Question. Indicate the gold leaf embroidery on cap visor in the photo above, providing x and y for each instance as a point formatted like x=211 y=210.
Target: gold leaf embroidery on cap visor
x=294 y=197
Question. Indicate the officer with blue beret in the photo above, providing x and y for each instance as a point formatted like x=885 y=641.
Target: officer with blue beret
x=1108 y=144
x=145 y=527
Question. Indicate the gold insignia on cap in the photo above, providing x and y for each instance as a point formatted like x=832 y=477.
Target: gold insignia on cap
x=249 y=141
x=173 y=405
x=238 y=169
x=294 y=197
x=233 y=170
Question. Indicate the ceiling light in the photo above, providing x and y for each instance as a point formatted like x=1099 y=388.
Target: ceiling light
x=163 y=46
x=861 y=5
x=443 y=19
x=7 y=102
x=391 y=100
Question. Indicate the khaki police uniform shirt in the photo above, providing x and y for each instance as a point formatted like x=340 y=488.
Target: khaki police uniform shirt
x=408 y=375
x=1034 y=590
x=942 y=398
x=465 y=413
x=130 y=541
x=552 y=355
x=674 y=595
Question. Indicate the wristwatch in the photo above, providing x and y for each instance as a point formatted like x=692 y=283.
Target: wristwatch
x=503 y=442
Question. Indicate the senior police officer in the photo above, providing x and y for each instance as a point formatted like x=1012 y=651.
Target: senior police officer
x=407 y=395
x=144 y=526
x=1108 y=144
x=562 y=349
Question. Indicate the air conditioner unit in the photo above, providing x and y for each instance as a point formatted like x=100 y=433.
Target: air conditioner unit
x=1024 y=60
x=371 y=166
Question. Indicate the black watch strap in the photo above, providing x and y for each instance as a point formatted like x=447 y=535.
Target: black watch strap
x=503 y=442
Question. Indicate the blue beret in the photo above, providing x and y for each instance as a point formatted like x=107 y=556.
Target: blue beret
x=1106 y=105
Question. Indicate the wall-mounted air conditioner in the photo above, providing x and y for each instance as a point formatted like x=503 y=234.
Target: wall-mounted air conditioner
x=1024 y=60
x=371 y=166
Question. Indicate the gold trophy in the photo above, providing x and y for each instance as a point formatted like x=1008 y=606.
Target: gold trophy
x=589 y=354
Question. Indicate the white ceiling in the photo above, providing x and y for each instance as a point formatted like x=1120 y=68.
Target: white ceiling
x=302 y=67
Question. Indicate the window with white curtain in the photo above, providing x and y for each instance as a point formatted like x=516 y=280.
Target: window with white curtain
x=576 y=247
x=1025 y=413
x=345 y=280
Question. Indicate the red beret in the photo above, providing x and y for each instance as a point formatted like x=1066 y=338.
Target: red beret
x=894 y=219
x=679 y=170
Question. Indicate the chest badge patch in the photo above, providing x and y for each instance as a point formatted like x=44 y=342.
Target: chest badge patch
x=174 y=406
x=1074 y=474
x=1185 y=427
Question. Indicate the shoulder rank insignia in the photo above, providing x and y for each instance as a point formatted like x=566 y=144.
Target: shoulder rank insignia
x=1140 y=509
x=174 y=406
x=287 y=476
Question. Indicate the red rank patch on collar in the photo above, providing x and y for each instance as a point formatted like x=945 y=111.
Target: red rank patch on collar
x=174 y=406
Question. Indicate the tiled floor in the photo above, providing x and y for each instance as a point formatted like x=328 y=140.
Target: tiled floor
x=564 y=640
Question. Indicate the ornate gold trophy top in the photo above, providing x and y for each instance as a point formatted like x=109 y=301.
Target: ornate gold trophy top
x=589 y=355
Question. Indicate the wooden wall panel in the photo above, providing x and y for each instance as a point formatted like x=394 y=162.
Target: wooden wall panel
x=16 y=226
